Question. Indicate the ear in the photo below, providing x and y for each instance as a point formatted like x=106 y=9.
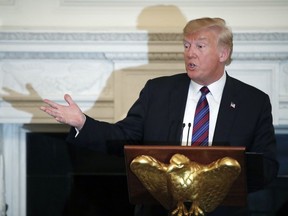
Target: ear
x=224 y=54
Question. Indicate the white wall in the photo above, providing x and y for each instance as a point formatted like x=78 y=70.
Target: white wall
x=258 y=15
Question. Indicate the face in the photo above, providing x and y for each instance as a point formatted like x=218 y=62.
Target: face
x=204 y=60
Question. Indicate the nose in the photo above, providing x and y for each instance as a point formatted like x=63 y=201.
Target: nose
x=191 y=52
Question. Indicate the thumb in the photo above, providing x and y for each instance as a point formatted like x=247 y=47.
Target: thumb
x=68 y=99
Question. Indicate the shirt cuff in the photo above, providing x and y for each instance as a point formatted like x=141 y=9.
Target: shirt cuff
x=77 y=132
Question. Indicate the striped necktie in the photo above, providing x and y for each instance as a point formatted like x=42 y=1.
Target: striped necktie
x=201 y=120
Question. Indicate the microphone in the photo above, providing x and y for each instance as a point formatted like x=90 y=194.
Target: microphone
x=183 y=126
x=189 y=126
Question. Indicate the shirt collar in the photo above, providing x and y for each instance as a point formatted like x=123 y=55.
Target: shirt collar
x=215 y=88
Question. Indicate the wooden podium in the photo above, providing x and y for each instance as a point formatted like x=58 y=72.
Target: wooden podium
x=138 y=194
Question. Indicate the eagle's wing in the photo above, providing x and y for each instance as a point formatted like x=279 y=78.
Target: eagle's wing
x=152 y=175
x=213 y=182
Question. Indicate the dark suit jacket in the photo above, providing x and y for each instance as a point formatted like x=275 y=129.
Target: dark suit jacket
x=157 y=117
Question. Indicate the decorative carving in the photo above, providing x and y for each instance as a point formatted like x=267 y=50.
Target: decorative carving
x=137 y=56
x=55 y=78
x=260 y=36
x=129 y=36
x=204 y=187
x=53 y=55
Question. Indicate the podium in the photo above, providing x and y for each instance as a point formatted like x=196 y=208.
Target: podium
x=138 y=194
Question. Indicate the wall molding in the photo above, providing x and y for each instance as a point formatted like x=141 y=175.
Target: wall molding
x=78 y=45
x=101 y=35
x=161 y=56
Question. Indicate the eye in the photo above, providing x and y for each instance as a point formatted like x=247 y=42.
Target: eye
x=200 y=45
x=186 y=45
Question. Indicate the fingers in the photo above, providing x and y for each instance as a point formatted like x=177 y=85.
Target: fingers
x=68 y=99
x=51 y=108
x=51 y=103
x=54 y=105
x=53 y=112
x=68 y=114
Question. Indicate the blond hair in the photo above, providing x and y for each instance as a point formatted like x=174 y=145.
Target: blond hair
x=225 y=36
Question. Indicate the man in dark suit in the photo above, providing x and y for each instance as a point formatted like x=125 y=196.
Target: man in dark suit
x=240 y=115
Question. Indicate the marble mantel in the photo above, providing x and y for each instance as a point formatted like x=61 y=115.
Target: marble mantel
x=91 y=66
x=104 y=72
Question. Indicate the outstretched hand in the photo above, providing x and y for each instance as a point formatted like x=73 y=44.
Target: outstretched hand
x=69 y=114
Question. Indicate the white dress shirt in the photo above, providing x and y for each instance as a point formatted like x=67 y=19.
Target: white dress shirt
x=213 y=98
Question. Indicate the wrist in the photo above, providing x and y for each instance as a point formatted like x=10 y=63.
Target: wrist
x=81 y=122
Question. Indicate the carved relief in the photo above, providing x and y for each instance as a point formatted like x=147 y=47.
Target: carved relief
x=54 y=78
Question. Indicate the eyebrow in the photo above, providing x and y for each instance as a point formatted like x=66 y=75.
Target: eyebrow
x=199 y=39
x=202 y=39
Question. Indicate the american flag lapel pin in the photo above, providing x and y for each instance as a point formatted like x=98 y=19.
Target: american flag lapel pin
x=233 y=105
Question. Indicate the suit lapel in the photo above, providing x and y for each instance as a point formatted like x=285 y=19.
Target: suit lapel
x=226 y=115
x=176 y=108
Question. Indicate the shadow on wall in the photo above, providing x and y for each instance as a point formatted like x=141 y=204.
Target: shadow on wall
x=153 y=20
x=158 y=17
x=17 y=86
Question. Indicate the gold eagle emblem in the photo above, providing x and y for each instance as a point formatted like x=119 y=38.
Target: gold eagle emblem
x=182 y=182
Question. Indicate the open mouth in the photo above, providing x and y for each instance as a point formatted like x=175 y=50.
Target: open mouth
x=191 y=66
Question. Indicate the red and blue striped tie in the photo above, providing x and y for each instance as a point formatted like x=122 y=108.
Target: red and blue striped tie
x=201 y=120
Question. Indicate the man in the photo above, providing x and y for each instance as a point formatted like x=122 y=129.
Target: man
x=239 y=114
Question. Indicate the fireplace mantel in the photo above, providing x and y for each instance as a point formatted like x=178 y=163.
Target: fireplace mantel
x=94 y=67
x=99 y=69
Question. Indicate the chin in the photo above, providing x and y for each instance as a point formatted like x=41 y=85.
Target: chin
x=192 y=74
